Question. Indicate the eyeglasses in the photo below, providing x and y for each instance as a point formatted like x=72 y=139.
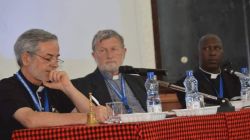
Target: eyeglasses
x=49 y=60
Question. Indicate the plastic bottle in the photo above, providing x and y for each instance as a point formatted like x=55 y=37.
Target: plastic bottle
x=193 y=99
x=245 y=85
x=153 y=98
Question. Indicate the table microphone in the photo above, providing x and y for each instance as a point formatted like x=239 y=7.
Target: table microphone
x=227 y=67
x=238 y=74
x=225 y=105
x=141 y=71
x=182 y=89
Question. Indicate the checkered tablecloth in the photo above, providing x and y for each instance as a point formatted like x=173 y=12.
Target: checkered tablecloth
x=192 y=128
x=80 y=132
x=238 y=124
x=231 y=125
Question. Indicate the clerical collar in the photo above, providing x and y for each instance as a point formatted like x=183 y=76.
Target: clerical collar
x=110 y=76
x=212 y=75
x=40 y=89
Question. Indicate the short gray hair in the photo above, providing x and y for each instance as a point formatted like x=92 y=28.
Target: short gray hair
x=208 y=36
x=106 y=34
x=28 y=42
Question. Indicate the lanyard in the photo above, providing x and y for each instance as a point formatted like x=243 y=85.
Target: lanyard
x=46 y=100
x=121 y=95
x=221 y=90
x=36 y=101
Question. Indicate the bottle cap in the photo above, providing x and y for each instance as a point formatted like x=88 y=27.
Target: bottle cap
x=244 y=70
x=150 y=75
x=189 y=73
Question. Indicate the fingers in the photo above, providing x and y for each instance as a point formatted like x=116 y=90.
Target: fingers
x=57 y=80
x=101 y=113
x=56 y=76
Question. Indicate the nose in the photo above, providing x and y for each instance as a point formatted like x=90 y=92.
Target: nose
x=212 y=51
x=54 y=64
x=109 y=53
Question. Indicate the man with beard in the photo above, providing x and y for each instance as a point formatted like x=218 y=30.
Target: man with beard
x=39 y=95
x=106 y=83
x=211 y=78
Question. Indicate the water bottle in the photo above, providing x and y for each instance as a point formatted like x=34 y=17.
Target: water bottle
x=245 y=85
x=153 y=98
x=193 y=99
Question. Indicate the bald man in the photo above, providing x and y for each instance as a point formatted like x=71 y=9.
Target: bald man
x=211 y=78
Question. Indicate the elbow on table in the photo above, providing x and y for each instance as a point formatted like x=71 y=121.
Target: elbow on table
x=29 y=123
x=27 y=117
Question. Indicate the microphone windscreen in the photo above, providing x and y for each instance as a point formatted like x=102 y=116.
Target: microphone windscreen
x=125 y=69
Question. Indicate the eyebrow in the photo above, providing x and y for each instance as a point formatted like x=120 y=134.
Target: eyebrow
x=51 y=55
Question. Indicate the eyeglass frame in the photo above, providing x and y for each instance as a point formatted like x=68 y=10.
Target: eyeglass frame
x=49 y=60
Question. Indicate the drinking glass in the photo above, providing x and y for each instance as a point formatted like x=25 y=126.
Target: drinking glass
x=114 y=111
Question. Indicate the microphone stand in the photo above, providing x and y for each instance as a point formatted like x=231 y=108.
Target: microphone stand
x=182 y=89
x=225 y=105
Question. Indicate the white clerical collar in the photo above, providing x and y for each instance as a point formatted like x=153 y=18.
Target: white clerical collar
x=40 y=88
x=212 y=75
x=115 y=77
x=110 y=76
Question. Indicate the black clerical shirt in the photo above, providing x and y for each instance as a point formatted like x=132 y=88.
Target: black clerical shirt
x=14 y=96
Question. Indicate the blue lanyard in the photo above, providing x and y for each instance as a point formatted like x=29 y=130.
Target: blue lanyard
x=46 y=100
x=35 y=101
x=221 y=90
x=122 y=96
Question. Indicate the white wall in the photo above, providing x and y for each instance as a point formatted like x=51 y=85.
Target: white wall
x=75 y=22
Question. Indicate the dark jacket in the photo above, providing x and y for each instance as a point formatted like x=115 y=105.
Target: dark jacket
x=94 y=82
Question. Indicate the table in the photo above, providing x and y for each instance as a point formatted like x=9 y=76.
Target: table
x=230 y=125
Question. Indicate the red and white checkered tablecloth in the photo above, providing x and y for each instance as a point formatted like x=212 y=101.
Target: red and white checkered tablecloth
x=79 y=132
x=223 y=126
x=193 y=128
x=238 y=124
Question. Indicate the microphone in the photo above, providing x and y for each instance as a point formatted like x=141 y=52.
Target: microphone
x=225 y=105
x=182 y=89
x=228 y=68
x=238 y=74
x=141 y=71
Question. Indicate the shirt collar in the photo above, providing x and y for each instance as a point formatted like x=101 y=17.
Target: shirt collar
x=212 y=75
x=109 y=76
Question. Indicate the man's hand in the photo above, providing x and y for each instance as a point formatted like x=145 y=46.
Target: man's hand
x=58 y=80
x=101 y=113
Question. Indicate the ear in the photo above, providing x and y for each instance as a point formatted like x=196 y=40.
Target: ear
x=125 y=50
x=26 y=58
x=94 y=56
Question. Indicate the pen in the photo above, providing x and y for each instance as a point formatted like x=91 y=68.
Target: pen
x=95 y=100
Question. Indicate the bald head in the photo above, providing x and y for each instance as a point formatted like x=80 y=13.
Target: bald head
x=210 y=53
x=207 y=37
